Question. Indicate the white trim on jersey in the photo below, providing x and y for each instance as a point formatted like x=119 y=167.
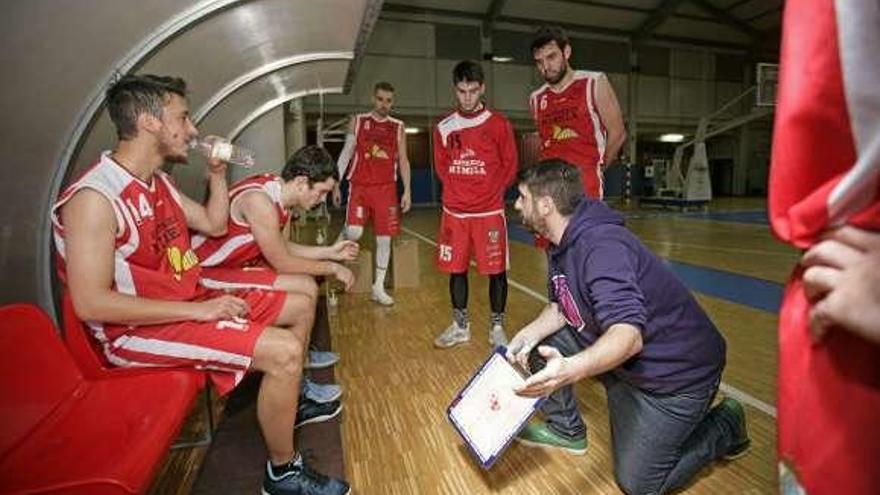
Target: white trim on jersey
x=456 y=122
x=122 y=271
x=226 y=249
x=859 y=39
x=598 y=128
x=474 y=215
x=180 y=350
x=211 y=283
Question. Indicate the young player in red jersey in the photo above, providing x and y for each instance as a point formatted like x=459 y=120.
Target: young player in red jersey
x=255 y=252
x=375 y=148
x=122 y=236
x=576 y=112
x=475 y=157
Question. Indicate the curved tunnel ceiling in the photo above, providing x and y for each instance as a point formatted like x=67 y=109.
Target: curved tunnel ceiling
x=240 y=59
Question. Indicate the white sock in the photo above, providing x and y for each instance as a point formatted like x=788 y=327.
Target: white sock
x=383 y=255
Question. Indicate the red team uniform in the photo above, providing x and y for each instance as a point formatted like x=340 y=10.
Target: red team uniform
x=234 y=260
x=825 y=173
x=571 y=129
x=475 y=157
x=153 y=259
x=372 y=174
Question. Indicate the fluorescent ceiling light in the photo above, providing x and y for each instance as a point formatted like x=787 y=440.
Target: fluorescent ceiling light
x=672 y=138
x=498 y=58
x=412 y=130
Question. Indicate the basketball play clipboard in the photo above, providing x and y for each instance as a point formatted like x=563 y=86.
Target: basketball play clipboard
x=487 y=413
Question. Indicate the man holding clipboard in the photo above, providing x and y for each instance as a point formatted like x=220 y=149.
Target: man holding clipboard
x=617 y=313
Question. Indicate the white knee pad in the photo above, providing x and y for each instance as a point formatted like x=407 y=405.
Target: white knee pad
x=354 y=232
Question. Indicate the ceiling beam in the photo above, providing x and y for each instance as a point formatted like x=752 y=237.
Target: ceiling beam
x=624 y=35
x=492 y=13
x=657 y=17
x=728 y=18
x=736 y=4
x=764 y=13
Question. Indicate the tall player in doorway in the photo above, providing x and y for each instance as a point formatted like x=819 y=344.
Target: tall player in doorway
x=475 y=157
x=576 y=112
x=375 y=147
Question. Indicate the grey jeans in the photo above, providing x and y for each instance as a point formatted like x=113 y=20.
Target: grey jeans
x=659 y=441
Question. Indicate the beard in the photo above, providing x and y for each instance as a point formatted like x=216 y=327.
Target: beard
x=558 y=77
x=534 y=224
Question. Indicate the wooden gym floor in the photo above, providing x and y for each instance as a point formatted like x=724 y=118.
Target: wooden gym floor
x=397 y=385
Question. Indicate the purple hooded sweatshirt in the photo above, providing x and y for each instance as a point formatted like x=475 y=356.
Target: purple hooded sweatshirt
x=601 y=274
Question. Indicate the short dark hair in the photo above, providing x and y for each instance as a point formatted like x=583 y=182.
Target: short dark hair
x=556 y=179
x=312 y=162
x=133 y=95
x=468 y=71
x=546 y=34
x=384 y=86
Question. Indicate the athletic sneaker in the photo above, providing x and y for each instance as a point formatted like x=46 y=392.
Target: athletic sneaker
x=453 y=335
x=379 y=295
x=321 y=393
x=321 y=359
x=497 y=336
x=731 y=411
x=300 y=479
x=540 y=435
x=310 y=411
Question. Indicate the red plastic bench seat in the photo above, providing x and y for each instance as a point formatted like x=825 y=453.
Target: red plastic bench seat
x=64 y=433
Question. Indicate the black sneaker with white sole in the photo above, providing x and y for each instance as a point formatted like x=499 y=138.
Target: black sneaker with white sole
x=299 y=479
x=310 y=411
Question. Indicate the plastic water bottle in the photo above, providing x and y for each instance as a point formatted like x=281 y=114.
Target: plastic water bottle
x=217 y=147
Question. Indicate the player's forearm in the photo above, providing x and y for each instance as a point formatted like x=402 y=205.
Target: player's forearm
x=217 y=208
x=113 y=307
x=406 y=175
x=309 y=252
x=298 y=265
x=614 y=144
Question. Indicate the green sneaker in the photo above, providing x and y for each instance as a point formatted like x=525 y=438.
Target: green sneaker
x=732 y=411
x=540 y=435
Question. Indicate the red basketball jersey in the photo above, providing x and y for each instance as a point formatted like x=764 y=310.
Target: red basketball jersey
x=475 y=157
x=376 y=151
x=825 y=173
x=237 y=248
x=153 y=258
x=570 y=127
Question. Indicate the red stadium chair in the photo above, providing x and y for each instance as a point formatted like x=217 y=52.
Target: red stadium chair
x=89 y=356
x=66 y=433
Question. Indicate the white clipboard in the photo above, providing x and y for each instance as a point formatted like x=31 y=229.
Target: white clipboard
x=487 y=413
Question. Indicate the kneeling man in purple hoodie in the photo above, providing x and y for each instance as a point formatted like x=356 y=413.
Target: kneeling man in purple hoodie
x=618 y=313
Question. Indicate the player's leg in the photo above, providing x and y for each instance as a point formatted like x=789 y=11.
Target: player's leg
x=279 y=354
x=386 y=222
x=489 y=239
x=357 y=213
x=453 y=256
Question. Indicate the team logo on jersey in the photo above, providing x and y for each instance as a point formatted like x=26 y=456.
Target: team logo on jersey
x=377 y=152
x=181 y=262
x=563 y=133
x=567 y=304
x=468 y=153
x=494 y=236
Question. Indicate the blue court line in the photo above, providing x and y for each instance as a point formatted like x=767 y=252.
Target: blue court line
x=740 y=289
x=758 y=217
